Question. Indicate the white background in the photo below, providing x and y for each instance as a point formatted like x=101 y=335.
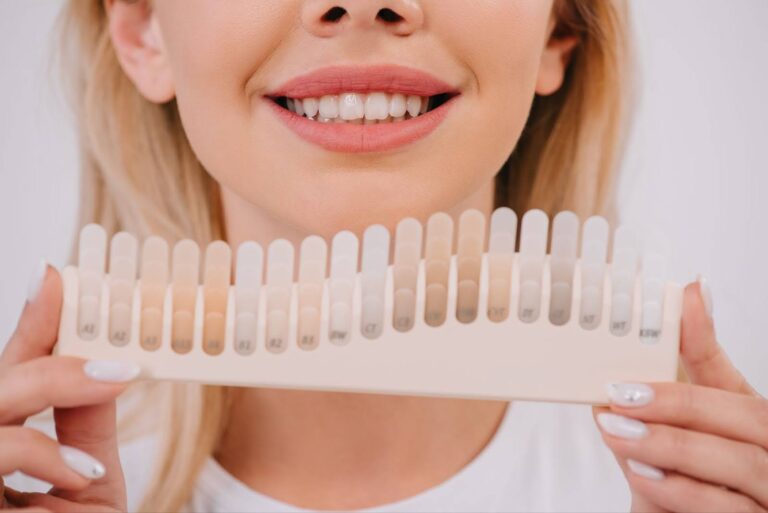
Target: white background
x=697 y=163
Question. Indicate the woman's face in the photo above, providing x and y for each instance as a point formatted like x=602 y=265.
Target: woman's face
x=232 y=65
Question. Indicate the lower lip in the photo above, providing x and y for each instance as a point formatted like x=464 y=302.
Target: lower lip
x=350 y=138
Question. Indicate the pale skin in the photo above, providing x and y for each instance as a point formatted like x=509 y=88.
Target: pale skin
x=338 y=451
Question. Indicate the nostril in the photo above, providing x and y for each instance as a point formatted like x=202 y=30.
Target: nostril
x=334 y=14
x=389 y=16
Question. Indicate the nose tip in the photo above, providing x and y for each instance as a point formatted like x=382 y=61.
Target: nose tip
x=327 y=18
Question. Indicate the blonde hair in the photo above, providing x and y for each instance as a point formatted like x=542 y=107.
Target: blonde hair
x=139 y=174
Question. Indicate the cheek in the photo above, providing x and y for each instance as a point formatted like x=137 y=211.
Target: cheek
x=502 y=41
x=213 y=51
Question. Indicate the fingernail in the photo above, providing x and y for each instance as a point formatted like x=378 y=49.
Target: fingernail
x=111 y=371
x=82 y=463
x=36 y=280
x=630 y=394
x=641 y=469
x=618 y=425
x=706 y=294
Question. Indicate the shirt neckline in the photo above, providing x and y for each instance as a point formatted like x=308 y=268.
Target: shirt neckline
x=227 y=493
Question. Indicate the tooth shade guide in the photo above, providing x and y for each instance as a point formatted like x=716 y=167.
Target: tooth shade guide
x=123 y=255
x=501 y=253
x=313 y=261
x=533 y=249
x=470 y=247
x=563 y=254
x=154 y=280
x=508 y=359
x=216 y=280
x=437 y=256
x=91 y=260
x=185 y=271
x=248 y=280
x=408 y=242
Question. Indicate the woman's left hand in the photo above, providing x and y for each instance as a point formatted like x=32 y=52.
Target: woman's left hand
x=701 y=446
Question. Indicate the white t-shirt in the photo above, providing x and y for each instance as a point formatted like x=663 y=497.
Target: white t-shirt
x=543 y=457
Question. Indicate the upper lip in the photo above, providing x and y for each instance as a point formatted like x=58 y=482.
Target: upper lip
x=362 y=79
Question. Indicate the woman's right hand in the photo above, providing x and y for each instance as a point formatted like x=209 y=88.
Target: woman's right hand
x=83 y=465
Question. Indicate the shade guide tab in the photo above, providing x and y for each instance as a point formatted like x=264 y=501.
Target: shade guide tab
x=533 y=251
x=501 y=253
x=437 y=260
x=341 y=286
x=248 y=280
x=594 y=251
x=408 y=241
x=563 y=255
x=280 y=264
x=123 y=258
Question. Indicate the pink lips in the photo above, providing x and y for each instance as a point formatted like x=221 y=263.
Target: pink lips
x=351 y=138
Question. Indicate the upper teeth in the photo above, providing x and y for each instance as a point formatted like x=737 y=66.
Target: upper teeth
x=356 y=107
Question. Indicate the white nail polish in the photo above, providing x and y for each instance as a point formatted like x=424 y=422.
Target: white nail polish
x=623 y=427
x=111 y=371
x=82 y=463
x=36 y=280
x=641 y=469
x=630 y=394
x=706 y=294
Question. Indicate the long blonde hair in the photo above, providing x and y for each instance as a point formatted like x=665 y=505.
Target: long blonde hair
x=139 y=174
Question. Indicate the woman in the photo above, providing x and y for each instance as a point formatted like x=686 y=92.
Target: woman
x=243 y=120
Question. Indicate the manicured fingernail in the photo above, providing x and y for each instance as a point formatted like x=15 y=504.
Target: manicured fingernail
x=111 y=371
x=630 y=394
x=706 y=294
x=82 y=463
x=641 y=469
x=36 y=281
x=624 y=427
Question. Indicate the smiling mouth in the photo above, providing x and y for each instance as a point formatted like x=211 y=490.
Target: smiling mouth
x=371 y=108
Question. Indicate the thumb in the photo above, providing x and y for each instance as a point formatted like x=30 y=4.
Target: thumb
x=38 y=326
x=704 y=359
x=93 y=429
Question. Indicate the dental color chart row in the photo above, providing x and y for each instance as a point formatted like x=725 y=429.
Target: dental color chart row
x=459 y=312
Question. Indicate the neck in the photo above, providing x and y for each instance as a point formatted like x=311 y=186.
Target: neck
x=321 y=450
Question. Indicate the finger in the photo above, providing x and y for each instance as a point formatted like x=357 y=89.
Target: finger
x=33 y=386
x=31 y=452
x=676 y=492
x=38 y=326
x=639 y=501
x=704 y=360
x=736 y=465
x=709 y=410
x=5 y=504
x=46 y=502
x=94 y=429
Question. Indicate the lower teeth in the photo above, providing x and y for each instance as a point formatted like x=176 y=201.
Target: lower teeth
x=359 y=121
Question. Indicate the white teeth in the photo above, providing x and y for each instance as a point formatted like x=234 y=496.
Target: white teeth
x=311 y=106
x=377 y=106
x=357 y=108
x=413 y=104
x=329 y=107
x=351 y=106
x=397 y=106
x=298 y=106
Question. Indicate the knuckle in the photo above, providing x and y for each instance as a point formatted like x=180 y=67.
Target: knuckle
x=675 y=442
x=758 y=462
x=761 y=411
x=684 y=403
